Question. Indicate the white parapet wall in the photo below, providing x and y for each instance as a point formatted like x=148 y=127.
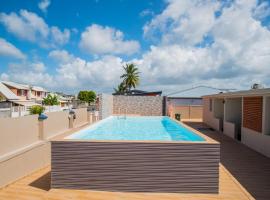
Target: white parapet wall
x=208 y=115
x=229 y=129
x=25 y=142
x=56 y=123
x=257 y=141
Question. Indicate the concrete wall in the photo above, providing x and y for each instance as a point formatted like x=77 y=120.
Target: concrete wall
x=187 y=112
x=24 y=145
x=267 y=116
x=257 y=141
x=218 y=108
x=208 y=116
x=17 y=133
x=105 y=105
x=233 y=110
x=138 y=105
x=56 y=123
x=229 y=129
x=81 y=117
x=136 y=166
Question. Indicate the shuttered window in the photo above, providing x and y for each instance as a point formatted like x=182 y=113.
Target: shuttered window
x=252 y=113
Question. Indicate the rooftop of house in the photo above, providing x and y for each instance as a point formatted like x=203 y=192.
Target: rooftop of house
x=23 y=86
x=195 y=92
x=7 y=93
x=241 y=93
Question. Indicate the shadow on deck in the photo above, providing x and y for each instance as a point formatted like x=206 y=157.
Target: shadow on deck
x=251 y=169
x=43 y=182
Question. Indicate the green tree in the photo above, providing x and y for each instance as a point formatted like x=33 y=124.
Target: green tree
x=87 y=96
x=121 y=88
x=51 y=100
x=131 y=76
x=36 y=110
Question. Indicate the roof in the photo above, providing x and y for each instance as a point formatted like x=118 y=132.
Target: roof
x=195 y=92
x=26 y=103
x=4 y=90
x=16 y=85
x=140 y=93
x=23 y=86
x=251 y=92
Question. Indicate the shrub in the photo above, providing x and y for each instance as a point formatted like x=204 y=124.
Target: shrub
x=36 y=110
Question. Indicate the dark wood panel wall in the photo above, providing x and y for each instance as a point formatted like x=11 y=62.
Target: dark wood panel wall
x=252 y=113
x=136 y=166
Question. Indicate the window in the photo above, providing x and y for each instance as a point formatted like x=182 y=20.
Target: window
x=210 y=105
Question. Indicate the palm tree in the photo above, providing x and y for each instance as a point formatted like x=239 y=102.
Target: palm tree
x=121 y=88
x=131 y=76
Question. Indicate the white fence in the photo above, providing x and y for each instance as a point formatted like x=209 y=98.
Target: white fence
x=19 y=111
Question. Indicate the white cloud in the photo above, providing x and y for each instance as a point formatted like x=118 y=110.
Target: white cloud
x=30 y=27
x=61 y=56
x=38 y=67
x=146 y=12
x=106 y=40
x=43 y=5
x=99 y=74
x=185 y=22
x=240 y=50
x=238 y=55
x=9 y=50
x=60 y=37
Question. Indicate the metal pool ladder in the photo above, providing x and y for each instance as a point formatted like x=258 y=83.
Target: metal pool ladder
x=119 y=116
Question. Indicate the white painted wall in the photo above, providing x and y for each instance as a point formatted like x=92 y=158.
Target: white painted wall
x=257 y=141
x=208 y=116
x=267 y=116
x=233 y=110
x=229 y=129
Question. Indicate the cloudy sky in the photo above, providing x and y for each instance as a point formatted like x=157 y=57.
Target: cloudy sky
x=73 y=45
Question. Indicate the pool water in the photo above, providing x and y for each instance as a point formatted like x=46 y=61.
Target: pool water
x=137 y=128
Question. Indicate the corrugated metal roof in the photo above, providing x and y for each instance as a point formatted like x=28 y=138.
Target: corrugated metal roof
x=251 y=92
x=7 y=92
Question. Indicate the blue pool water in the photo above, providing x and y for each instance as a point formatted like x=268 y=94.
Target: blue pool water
x=137 y=128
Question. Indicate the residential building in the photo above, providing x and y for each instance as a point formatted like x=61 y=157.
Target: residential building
x=16 y=99
x=188 y=102
x=26 y=92
x=242 y=115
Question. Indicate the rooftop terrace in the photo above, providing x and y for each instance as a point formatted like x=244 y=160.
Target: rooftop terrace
x=244 y=174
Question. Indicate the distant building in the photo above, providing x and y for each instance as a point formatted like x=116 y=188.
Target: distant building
x=188 y=102
x=22 y=91
x=18 y=98
x=64 y=99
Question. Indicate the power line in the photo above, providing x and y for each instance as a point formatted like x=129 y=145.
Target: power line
x=200 y=86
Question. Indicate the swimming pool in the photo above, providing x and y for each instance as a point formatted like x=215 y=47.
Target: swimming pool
x=137 y=128
x=136 y=154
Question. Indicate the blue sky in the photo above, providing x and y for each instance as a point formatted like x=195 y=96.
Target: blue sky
x=73 y=45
